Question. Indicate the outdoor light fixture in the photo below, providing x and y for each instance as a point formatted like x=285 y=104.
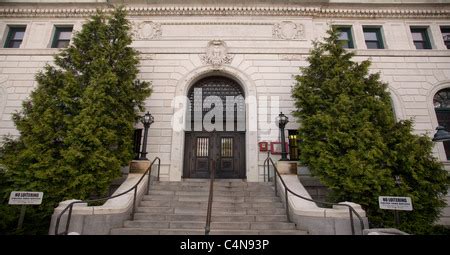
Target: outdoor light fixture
x=441 y=135
x=282 y=121
x=147 y=120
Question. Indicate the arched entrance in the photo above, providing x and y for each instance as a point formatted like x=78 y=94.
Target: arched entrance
x=216 y=129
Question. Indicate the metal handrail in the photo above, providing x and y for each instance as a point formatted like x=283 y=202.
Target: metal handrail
x=70 y=206
x=210 y=199
x=286 y=189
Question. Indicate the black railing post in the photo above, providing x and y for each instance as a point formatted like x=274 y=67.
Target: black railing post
x=210 y=197
x=287 y=204
x=275 y=180
x=264 y=170
x=148 y=184
x=134 y=203
x=159 y=165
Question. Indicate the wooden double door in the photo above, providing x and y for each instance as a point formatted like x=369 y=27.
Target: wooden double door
x=226 y=148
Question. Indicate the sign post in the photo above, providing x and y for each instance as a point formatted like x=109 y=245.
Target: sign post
x=396 y=204
x=24 y=198
x=22 y=216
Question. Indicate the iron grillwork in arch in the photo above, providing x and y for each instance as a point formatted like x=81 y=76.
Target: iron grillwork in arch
x=216 y=86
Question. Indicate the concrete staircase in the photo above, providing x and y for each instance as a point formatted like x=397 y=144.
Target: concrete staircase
x=239 y=208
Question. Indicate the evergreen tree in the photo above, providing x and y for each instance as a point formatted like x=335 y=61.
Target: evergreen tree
x=76 y=129
x=352 y=142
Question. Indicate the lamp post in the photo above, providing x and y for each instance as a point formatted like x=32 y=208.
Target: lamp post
x=147 y=120
x=282 y=121
x=441 y=135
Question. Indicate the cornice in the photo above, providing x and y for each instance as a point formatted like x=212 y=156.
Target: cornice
x=238 y=50
x=441 y=12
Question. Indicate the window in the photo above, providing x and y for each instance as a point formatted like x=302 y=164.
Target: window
x=62 y=37
x=441 y=103
x=15 y=37
x=372 y=36
x=446 y=36
x=346 y=37
x=293 y=144
x=420 y=38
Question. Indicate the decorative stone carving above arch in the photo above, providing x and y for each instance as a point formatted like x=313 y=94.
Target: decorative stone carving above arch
x=216 y=54
x=146 y=30
x=288 y=30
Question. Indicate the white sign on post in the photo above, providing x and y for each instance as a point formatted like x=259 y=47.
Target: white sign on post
x=395 y=203
x=25 y=198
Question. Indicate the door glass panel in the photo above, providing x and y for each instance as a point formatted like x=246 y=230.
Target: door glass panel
x=227 y=147
x=202 y=146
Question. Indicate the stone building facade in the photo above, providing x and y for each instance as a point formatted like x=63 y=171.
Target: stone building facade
x=258 y=45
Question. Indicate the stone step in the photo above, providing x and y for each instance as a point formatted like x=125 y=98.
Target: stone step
x=169 y=217
x=165 y=225
x=235 y=199
x=214 y=225
x=216 y=188
x=216 y=198
x=215 y=204
x=171 y=210
x=146 y=224
x=217 y=183
x=216 y=218
x=239 y=208
x=216 y=192
x=216 y=211
x=150 y=231
x=258 y=232
x=272 y=226
x=266 y=211
x=252 y=226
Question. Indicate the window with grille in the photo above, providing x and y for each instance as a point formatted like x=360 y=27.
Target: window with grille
x=202 y=147
x=62 y=37
x=226 y=147
x=15 y=36
x=372 y=36
x=345 y=37
x=446 y=36
x=203 y=95
x=420 y=38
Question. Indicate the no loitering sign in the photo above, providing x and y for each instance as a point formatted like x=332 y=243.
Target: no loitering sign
x=395 y=203
x=25 y=198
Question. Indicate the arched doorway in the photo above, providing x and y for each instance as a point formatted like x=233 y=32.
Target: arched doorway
x=441 y=102
x=216 y=129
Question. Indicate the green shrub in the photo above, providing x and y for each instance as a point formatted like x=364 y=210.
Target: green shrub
x=352 y=142
x=76 y=127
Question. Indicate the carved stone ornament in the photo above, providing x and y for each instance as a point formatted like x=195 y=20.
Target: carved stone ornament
x=288 y=30
x=146 y=30
x=216 y=54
